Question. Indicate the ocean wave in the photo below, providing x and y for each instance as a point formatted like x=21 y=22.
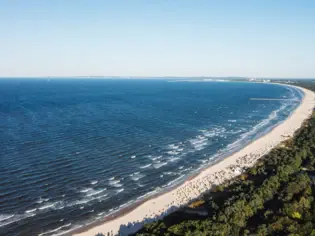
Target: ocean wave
x=203 y=161
x=199 y=143
x=145 y=166
x=236 y=131
x=63 y=232
x=31 y=211
x=136 y=176
x=159 y=165
x=47 y=206
x=185 y=170
x=95 y=192
x=173 y=146
x=168 y=173
x=102 y=197
x=141 y=185
x=155 y=158
x=148 y=194
x=119 y=190
x=112 y=182
x=272 y=116
x=85 y=190
x=213 y=132
x=115 y=183
x=41 y=200
x=174 y=159
x=12 y=218
x=93 y=182
x=172 y=152
x=55 y=230
x=6 y=219
x=175 y=180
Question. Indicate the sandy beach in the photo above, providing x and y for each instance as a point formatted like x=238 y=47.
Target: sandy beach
x=228 y=168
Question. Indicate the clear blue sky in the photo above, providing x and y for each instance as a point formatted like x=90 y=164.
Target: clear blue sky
x=155 y=38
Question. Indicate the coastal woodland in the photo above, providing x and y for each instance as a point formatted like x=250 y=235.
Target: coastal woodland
x=274 y=197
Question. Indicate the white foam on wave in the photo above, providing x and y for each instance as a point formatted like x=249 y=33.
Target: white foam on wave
x=141 y=185
x=213 y=132
x=175 y=180
x=85 y=190
x=93 y=182
x=173 y=146
x=237 y=131
x=232 y=121
x=5 y=217
x=31 y=211
x=55 y=230
x=147 y=194
x=168 y=173
x=120 y=190
x=9 y=219
x=90 y=195
x=172 y=152
x=155 y=158
x=159 y=165
x=115 y=183
x=185 y=170
x=136 y=176
x=199 y=143
x=47 y=206
x=103 y=197
x=132 y=157
x=253 y=130
x=95 y=192
x=52 y=206
x=41 y=200
x=173 y=159
x=203 y=161
x=145 y=166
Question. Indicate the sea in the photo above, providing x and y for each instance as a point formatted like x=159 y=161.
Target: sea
x=73 y=151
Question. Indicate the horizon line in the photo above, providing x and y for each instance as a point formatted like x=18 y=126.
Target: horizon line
x=132 y=77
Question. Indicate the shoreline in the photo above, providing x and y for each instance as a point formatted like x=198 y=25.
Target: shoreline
x=132 y=218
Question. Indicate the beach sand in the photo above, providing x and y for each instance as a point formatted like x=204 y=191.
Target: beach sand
x=228 y=168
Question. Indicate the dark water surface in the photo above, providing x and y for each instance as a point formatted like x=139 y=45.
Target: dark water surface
x=72 y=151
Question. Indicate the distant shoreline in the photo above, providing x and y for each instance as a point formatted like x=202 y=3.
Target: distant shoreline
x=173 y=197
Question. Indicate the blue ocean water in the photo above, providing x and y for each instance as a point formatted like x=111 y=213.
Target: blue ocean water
x=75 y=150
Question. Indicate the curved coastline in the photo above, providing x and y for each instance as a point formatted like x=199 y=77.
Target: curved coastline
x=131 y=219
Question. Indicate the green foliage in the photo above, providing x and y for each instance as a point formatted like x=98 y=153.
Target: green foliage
x=296 y=215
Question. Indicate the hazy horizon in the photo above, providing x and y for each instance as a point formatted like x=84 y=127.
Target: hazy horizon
x=149 y=77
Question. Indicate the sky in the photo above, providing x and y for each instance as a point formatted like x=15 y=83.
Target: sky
x=261 y=38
